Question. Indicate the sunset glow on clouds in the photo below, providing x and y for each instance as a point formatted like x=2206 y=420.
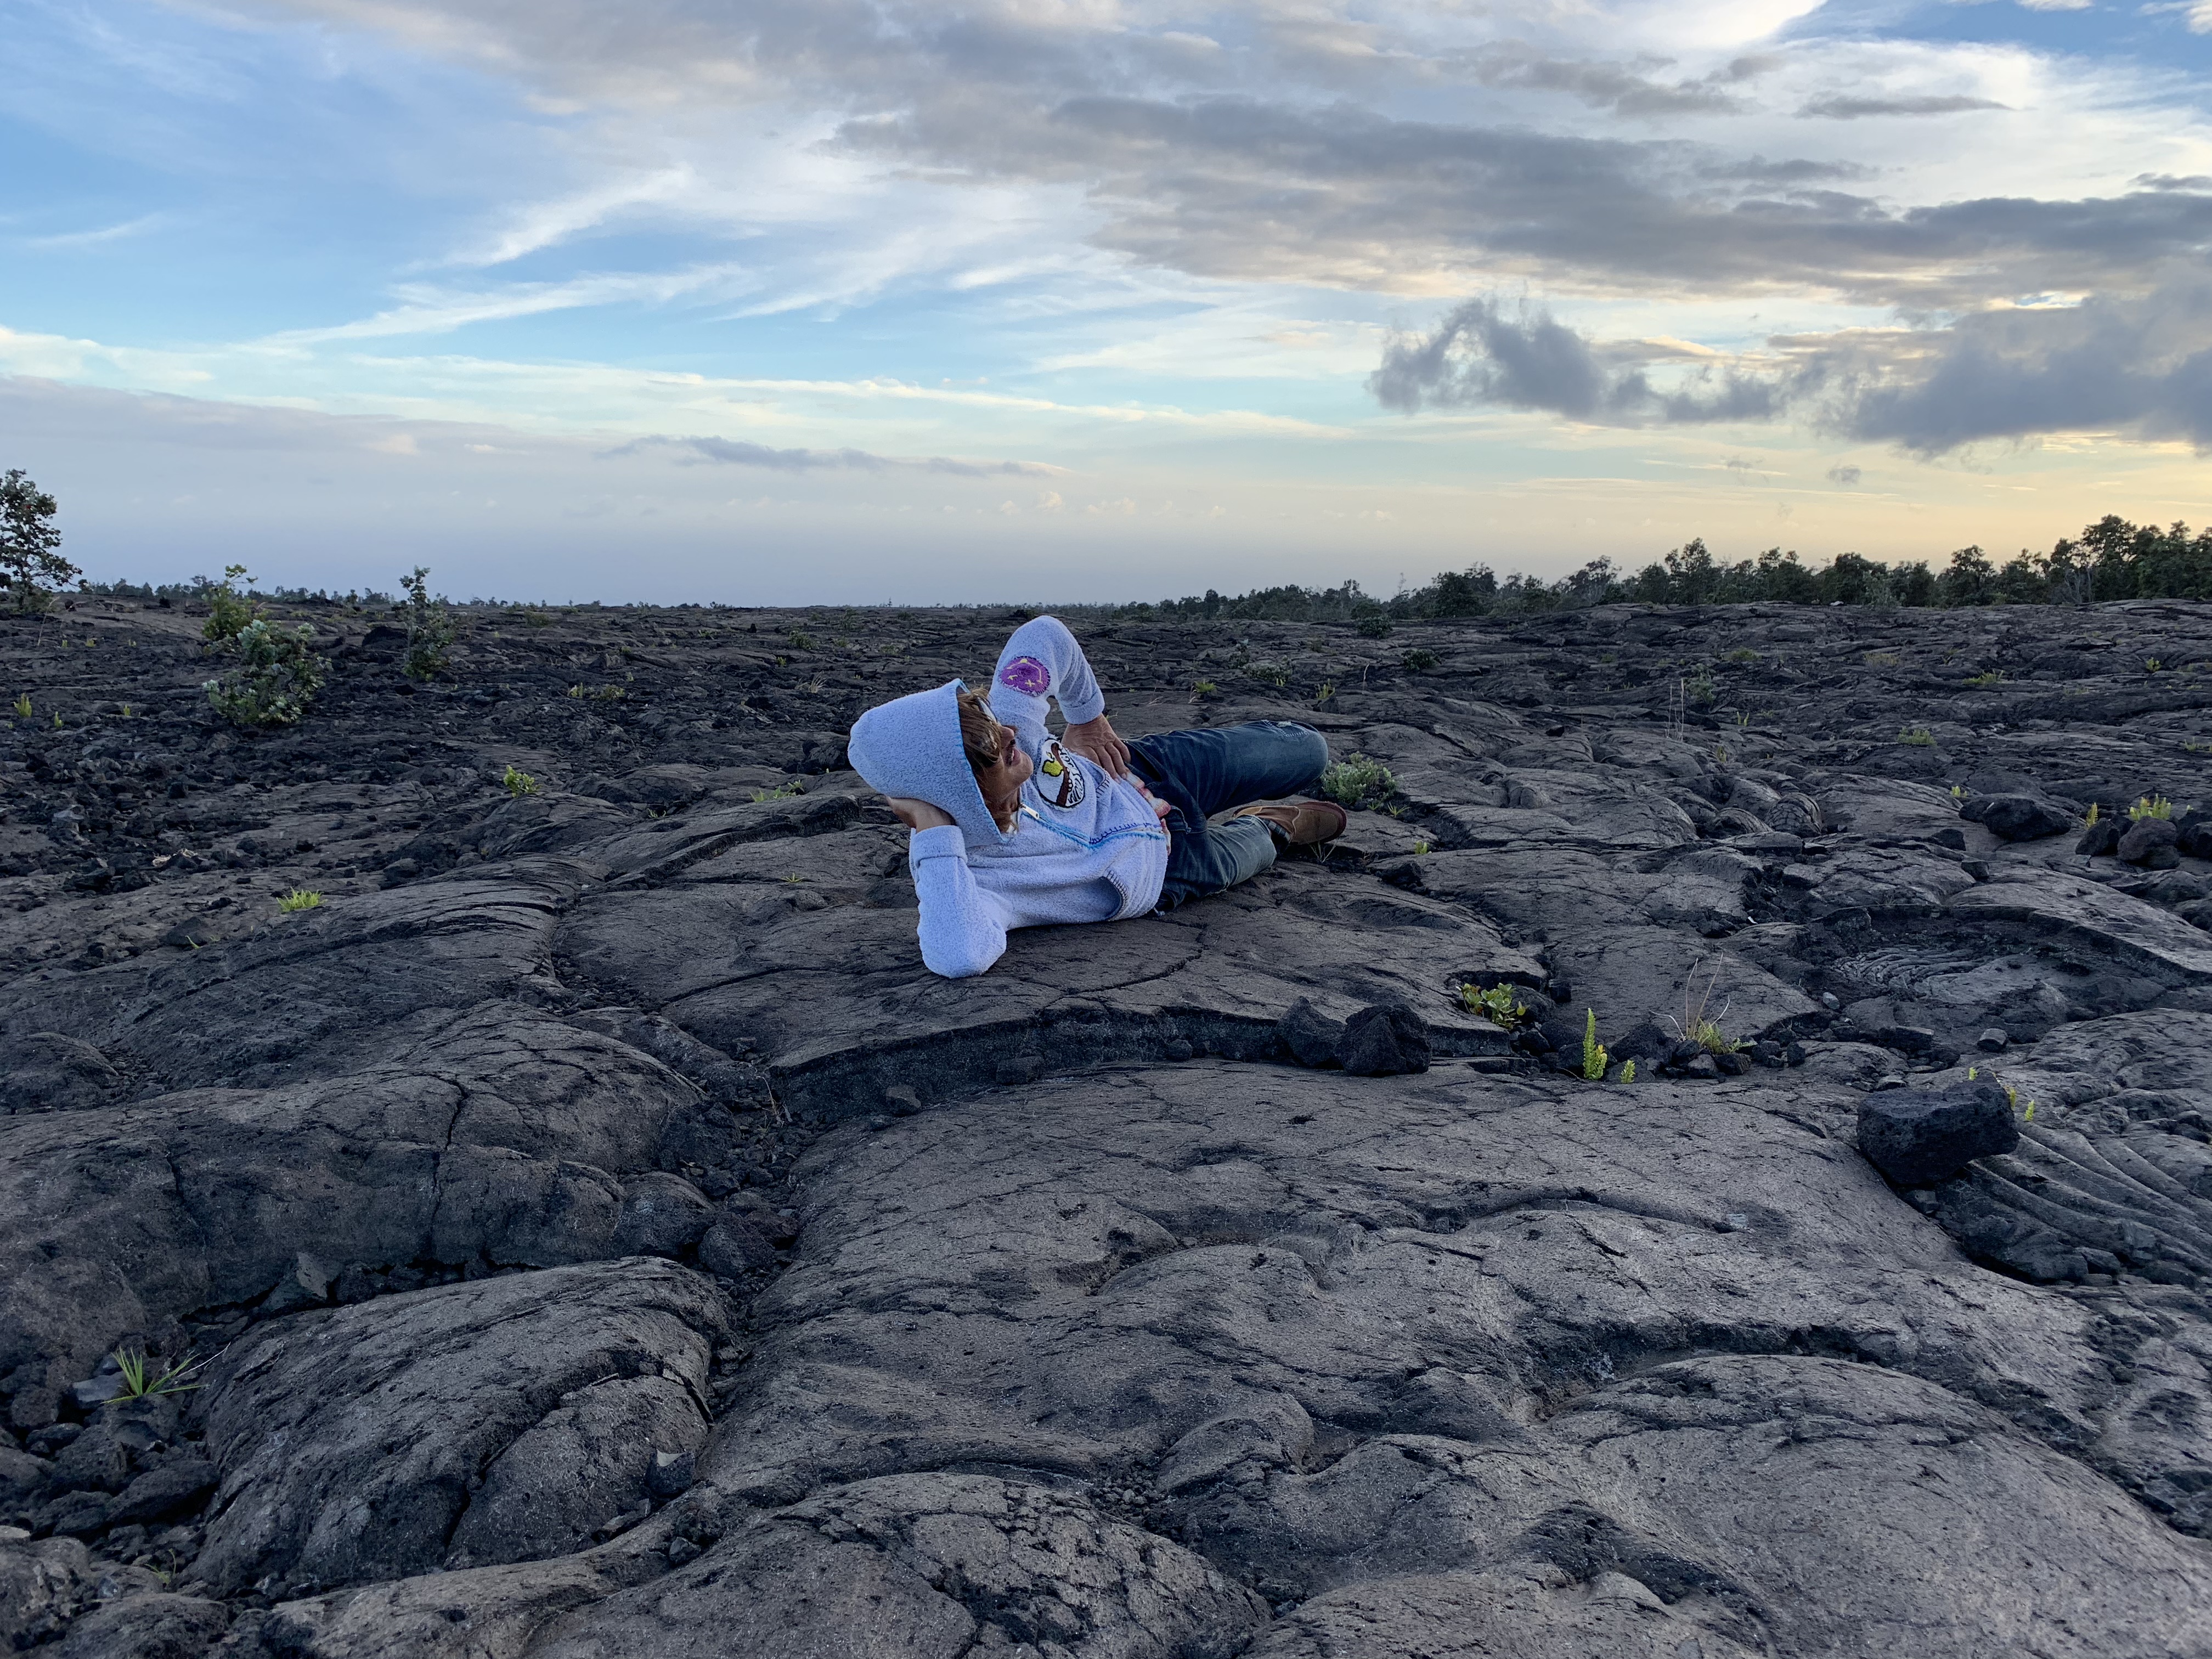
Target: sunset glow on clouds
x=1066 y=298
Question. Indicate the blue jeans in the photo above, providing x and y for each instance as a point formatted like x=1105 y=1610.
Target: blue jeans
x=1201 y=773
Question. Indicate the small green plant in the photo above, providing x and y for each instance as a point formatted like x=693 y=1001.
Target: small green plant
x=1881 y=659
x=22 y=705
x=1420 y=849
x=1327 y=690
x=1699 y=690
x=1699 y=1024
x=1959 y=792
x=781 y=792
x=1374 y=625
x=2152 y=664
x=1992 y=677
x=2095 y=811
x=2150 y=806
x=141 y=1381
x=2011 y=1099
x=300 y=898
x=1203 y=690
x=1357 y=782
x=431 y=629
x=519 y=783
x=1420 y=661
x=1919 y=737
x=801 y=641
x=1743 y=653
x=273 y=677
x=58 y=720
x=1628 y=1070
x=228 y=610
x=1500 y=1005
x=1269 y=673
x=794 y=878
x=1595 y=1059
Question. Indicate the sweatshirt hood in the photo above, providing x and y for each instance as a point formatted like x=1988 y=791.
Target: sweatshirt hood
x=911 y=746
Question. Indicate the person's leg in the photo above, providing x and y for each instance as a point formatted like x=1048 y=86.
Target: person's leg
x=1215 y=767
x=1201 y=773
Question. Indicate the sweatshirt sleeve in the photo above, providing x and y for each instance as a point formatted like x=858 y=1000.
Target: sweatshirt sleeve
x=962 y=929
x=1040 y=660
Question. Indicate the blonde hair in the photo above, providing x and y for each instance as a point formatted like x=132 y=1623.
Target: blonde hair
x=979 y=737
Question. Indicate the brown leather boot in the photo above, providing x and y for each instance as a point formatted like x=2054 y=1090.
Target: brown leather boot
x=1303 y=823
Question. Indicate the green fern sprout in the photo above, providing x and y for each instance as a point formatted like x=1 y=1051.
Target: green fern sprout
x=300 y=898
x=1628 y=1070
x=22 y=705
x=781 y=792
x=2150 y=806
x=1594 y=1055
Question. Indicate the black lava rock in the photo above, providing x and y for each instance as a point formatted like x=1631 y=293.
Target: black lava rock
x=1916 y=1136
x=2098 y=840
x=1311 y=1035
x=1383 y=1040
x=2016 y=817
x=2152 y=842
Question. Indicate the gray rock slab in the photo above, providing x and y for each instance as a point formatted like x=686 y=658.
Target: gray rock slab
x=1056 y=1277
x=840 y=1009
x=315 y=989
x=500 y=1134
x=469 y=1425
x=936 y=1566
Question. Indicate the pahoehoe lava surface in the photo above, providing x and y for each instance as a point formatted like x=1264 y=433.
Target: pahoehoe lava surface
x=603 y=1239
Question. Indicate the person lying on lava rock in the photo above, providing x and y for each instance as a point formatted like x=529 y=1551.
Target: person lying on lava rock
x=1013 y=827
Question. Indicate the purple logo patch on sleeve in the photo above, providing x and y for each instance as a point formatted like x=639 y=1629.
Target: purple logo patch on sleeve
x=1027 y=676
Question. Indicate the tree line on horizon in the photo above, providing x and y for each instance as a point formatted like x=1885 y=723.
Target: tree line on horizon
x=2112 y=559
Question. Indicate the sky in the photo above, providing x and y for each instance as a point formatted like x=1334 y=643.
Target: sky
x=780 y=301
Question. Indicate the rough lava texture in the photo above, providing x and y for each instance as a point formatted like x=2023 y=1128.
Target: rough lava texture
x=594 y=1235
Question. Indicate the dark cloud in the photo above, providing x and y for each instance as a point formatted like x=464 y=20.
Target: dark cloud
x=1242 y=190
x=1621 y=88
x=1852 y=109
x=1527 y=359
x=732 y=453
x=1847 y=476
x=2140 y=366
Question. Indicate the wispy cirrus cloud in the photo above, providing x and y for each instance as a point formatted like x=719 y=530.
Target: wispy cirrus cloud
x=99 y=238
x=726 y=452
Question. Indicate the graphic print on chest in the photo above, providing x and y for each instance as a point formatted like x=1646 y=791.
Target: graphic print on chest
x=1058 y=779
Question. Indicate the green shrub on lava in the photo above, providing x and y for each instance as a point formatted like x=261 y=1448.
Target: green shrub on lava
x=273 y=677
x=1358 y=781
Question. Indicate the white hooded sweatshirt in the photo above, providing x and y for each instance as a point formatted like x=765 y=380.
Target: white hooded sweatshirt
x=1085 y=846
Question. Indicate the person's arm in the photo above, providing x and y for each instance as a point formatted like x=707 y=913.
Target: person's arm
x=1043 y=660
x=962 y=930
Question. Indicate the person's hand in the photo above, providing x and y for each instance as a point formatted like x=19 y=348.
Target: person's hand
x=1098 y=742
x=1160 y=808
x=918 y=814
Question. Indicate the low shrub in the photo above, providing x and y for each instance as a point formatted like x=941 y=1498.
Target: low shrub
x=229 y=611
x=519 y=783
x=1420 y=661
x=273 y=677
x=431 y=630
x=1358 y=781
